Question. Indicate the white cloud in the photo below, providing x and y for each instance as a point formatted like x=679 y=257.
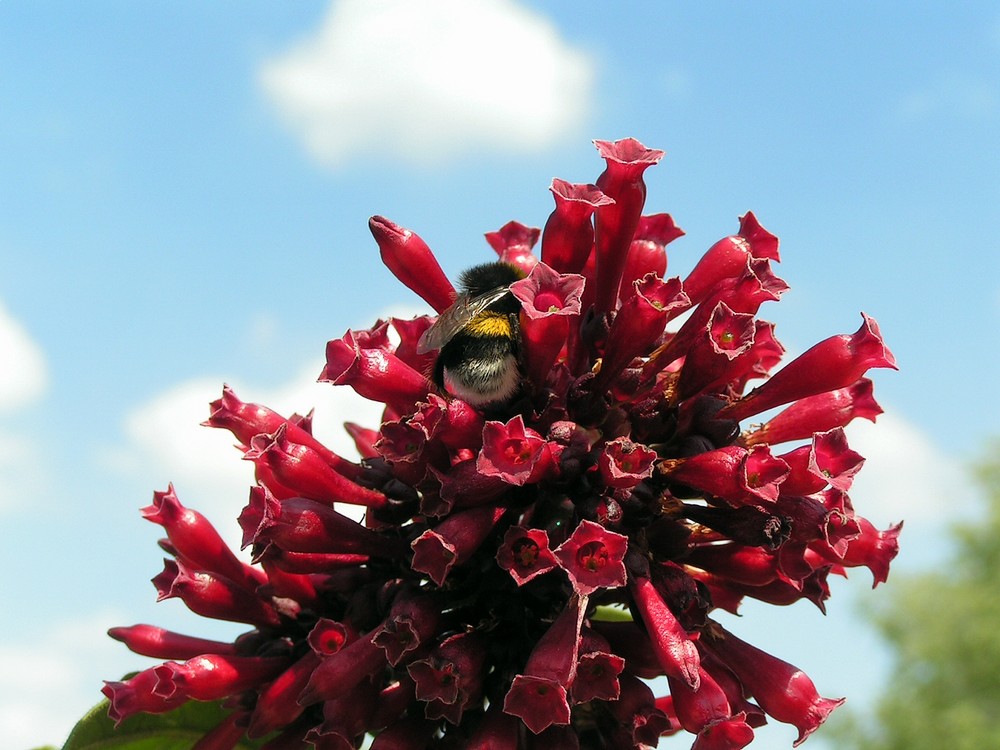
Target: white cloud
x=906 y=476
x=23 y=374
x=429 y=80
x=23 y=379
x=168 y=443
x=48 y=683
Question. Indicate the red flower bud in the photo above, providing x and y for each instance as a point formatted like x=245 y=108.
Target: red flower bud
x=149 y=640
x=513 y=243
x=412 y=262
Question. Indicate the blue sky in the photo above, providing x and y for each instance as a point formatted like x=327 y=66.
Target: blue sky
x=184 y=195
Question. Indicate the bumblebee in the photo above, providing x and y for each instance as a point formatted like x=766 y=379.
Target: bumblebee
x=479 y=338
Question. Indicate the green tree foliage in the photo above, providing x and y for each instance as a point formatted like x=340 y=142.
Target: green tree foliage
x=944 y=627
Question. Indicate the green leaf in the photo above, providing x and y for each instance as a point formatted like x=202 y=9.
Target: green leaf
x=611 y=614
x=177 y=730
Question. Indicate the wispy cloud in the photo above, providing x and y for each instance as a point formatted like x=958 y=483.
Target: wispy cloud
x=906 y=475
x=166 y=442
x=23 y=373
x=48 y=682
x=23 y=380
x=430 y=80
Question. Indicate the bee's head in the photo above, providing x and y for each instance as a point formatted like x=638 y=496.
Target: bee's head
x=488 y=276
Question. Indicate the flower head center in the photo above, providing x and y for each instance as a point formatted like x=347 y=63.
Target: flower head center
x=593 y=556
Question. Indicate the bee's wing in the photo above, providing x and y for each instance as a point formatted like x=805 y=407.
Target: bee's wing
x=457 y=317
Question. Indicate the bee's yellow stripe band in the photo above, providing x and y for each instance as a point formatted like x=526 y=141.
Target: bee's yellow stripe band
x=490 y=324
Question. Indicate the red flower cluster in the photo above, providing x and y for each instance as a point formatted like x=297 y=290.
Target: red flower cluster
x=523 y=571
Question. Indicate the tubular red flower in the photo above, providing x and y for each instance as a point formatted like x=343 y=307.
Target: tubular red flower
x=709 y=361
x=753 y=566
x=624 y=464
x=698 y=707
x=374 y=373
x=615 y=223
x=473 y=605
x=783 y=691
x=548 y=299
x=639 y=324
x=736 y=474
x=453 y=673
x=593 y=558
x=303 y=471
x=834 y=363
x=872 y=548
x=730 y=733
x=515 y=454
x=246 y=420
x=337 y=674
x=525 y=554
x=453 y=541
x=597 y=671
x=195 y=539
x=278 y=704
x=213 y=596
x=673 y=647
x=513 y=243
x=412 y=621
x=647 y=253
x=210 y=677
x=727 y=257
x=819 y=413
x=828 y=460
x=641 y=720
x=568 y=237
x=412 y=262
x=135 y=695
x=298 y=524
x=538 y=696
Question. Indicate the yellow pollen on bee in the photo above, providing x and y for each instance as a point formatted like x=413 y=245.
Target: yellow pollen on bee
x=490 y=324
